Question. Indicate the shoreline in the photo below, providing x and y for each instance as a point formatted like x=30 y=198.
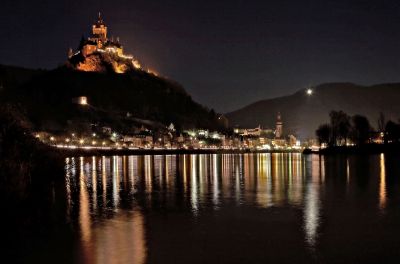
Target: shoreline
x=357 y=150
x=111 y=152
x=353 y=150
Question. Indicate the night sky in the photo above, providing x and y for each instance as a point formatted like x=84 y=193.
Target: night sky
x=226 y=53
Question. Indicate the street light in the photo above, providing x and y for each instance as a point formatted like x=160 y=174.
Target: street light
x=309 y=91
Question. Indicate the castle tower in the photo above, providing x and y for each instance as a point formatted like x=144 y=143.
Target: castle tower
x=279 y=126
x=99 y=30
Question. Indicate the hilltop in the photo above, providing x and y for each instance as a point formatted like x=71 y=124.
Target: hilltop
x=302 y=113
x=99 y=53
x=121 y=94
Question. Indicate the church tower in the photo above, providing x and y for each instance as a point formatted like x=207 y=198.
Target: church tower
x=279 y=126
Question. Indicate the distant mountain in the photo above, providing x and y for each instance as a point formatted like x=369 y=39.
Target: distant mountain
x=302 y=113
x=114 y=99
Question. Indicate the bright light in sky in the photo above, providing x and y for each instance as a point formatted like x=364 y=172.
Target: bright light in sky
x=309 y=91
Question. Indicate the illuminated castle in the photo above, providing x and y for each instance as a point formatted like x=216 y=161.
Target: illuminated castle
x=110 y=51
x=99 y=41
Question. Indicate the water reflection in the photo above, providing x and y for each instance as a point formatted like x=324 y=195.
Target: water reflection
x=382 y=183
x=121 y=240
x=113 y=198
x=84 y=205
x=312 y=201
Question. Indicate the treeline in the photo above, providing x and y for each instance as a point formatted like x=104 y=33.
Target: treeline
x=343 y=129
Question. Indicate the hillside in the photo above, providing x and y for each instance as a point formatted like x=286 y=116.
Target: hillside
x=302 y=114
x=47 y=98
x=12 y=77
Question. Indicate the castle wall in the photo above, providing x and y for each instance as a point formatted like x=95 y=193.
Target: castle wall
x=88 y=49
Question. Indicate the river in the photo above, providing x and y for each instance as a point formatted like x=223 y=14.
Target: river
x=227 y=208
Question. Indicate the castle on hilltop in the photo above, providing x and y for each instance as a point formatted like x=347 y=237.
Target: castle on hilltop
x=99 y=41
x=99 y=44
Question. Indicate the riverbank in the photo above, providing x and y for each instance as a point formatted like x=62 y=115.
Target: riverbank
x=362 y=149
x=67 y=152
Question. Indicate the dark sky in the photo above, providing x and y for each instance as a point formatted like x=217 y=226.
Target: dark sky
x=226 y=53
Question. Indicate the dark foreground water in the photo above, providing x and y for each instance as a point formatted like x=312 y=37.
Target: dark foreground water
x=250 y=208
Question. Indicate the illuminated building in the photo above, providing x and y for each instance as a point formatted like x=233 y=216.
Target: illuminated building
x=139 y=140
x=293 y=140
x=255 y=132
x=279 y=126
x=81 y=100
x=252 y=132
x=99 y=43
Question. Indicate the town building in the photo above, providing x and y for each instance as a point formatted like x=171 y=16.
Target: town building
x=279 y=127
x=81 y=100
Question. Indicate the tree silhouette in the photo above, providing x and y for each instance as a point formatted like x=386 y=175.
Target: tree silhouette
x=323 y=134
x=340 y=125
x=392 y=132
x=361 y=129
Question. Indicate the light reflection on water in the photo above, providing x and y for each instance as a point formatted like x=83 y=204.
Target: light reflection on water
x=382 y=182
x=111 y=196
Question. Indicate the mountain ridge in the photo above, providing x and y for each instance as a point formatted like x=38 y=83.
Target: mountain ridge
x=302 y=113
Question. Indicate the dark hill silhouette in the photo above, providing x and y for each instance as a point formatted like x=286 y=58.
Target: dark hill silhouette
x=47 y=97
x=302 y=114
x=11 y=76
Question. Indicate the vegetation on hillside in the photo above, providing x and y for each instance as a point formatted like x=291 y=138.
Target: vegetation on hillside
x=47 y=98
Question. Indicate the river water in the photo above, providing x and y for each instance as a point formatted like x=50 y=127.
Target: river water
x=229 y=208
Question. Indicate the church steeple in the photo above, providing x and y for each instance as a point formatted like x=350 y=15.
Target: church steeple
x=279 y=126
